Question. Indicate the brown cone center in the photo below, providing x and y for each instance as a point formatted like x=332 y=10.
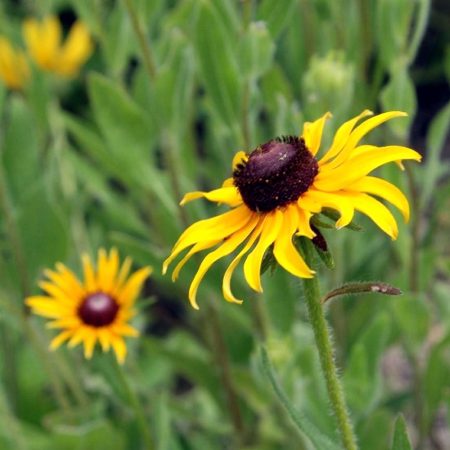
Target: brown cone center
x=98 y=310
x=276 y=174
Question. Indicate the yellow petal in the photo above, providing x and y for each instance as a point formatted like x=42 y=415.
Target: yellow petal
x=90 y=281
x=104 y=337
x=65 y=322
x=89 y=343
x=60 y=339
x=124 y=329
x=228 y=195
x=123 y=274
x=360 y=132
x=66 y=281
x=226 y=282
x=14 y=69
x=330 y=200
x=376 y=211
x=107 y=269
x=342 y=135
x=312 y=133
x=195 y=249
x=49 y=307
x=216 y=228
x=58 y=294
x=80 y=335
x=229 y=182
x=252 y=266
x=226 y=248
x=304 y=227
x=384 y=189
x=76 y=50
x=368 y=159
x=120 y=349
x=284 y=250
x=127 y=295
x=239 y=158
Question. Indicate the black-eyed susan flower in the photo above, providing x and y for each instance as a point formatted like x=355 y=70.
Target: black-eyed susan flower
x=44 y=43
x=96 y=309
x=279 y=186
x=14 y=70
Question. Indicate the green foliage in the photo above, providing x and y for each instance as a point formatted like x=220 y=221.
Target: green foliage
x=104 y=159
x=401 y=440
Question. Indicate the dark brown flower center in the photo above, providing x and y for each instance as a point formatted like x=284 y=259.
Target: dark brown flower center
x=98 y=310
x=276 y=174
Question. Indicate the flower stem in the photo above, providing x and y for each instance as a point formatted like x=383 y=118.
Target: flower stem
x=325 y=348
x=136 y=405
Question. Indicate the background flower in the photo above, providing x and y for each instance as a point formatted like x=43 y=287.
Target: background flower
x=97 y=309
x=44 y=43
x=14 y=70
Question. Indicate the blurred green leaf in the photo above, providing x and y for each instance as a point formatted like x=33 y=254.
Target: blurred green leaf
x=434 y=168
x=275 y=14
x=399 y=94
x=20 y=155
x=362 y=378
x=401 y=439
x=412 y=315
x=256 y=51
x=125 y=126
x=40 y=222
x=218 y=63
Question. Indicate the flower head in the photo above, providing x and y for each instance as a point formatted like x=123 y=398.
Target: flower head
x=43 y=40
x=14 y=70
x=97 y=309
x=278 y=187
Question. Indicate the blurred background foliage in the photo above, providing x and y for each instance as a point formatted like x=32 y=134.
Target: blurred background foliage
x=167 y=98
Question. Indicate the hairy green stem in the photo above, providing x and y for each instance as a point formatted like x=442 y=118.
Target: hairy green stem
x=325 y=349
x=134 y=402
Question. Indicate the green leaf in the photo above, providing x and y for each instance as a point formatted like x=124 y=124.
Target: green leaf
x=20 y=150
x=400 y=94
x=41 y=222
x=275 y=14
x=318 y=439
x=362 y=378
x=432 y=165
x=413 y=317
x=401 y=440
x=218 y=64
x=125 y=126
x=256 y=51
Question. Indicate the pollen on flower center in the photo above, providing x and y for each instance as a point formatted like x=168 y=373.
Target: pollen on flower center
x=276 y=174
x=98 y=309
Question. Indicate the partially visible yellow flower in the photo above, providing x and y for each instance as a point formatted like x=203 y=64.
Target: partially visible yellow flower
x=279 y=186
x=14 y=70
x=43 y=39
x=95 y=310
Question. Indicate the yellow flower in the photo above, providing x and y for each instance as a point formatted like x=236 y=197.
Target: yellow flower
x=14 y=70
x=43 y=40
x=97 y=309
x=277 y=188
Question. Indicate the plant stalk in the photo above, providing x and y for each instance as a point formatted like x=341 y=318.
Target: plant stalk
x=145 y=47
x=325 y=349
x=137 y=407
x=220 y=352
